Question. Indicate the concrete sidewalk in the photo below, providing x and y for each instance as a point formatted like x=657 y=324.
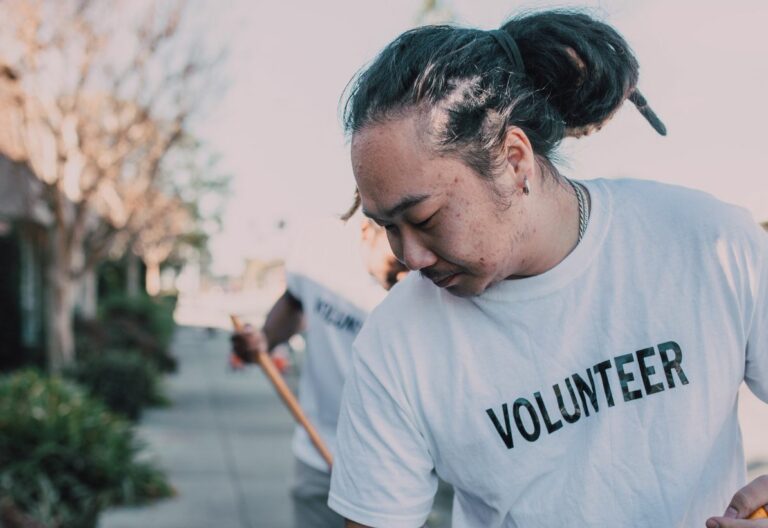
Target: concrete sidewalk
x=224 y=441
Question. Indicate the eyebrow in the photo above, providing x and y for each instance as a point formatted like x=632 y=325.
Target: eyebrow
x=402 y=205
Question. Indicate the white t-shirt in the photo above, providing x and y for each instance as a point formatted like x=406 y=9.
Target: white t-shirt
x=600 y=393
x=328 y=275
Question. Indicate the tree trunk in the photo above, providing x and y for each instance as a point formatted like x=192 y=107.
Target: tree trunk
x=62 y=289
x=153 y=278
x=132 y=274
x=88 y=301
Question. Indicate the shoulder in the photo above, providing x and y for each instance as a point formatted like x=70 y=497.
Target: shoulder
x=671 y=200
x=687 y=223
x=678 y=207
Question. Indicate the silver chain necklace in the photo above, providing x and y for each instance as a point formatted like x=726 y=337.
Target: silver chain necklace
x=583 y=208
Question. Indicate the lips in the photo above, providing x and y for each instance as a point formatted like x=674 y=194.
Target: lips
x=445 y=281
x=439 y=277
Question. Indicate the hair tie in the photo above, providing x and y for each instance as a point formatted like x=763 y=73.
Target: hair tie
x=509 y=46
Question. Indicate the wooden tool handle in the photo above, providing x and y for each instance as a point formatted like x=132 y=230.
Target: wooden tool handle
x=760 y=513
x=271 y=371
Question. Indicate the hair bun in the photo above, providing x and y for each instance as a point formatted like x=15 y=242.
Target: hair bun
x=583 y=66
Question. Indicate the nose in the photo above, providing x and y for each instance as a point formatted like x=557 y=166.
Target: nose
x=415 y=255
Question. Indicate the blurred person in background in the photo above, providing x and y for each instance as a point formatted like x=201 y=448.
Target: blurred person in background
x=571 y=351
x=334 y=277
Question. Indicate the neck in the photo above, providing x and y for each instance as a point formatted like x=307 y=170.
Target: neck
x=552 y=231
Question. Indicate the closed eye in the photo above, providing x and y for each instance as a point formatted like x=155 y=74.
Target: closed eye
x=425 y=223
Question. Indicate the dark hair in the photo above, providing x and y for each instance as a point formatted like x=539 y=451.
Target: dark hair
x=577 y=71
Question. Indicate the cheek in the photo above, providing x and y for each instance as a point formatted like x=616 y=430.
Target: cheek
x=485 y=248
x=463 y=245
x=487 y=261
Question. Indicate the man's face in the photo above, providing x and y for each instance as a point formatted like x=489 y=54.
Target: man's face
x=442 y=219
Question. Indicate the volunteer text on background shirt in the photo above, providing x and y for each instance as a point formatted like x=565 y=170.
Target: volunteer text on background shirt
x=603 y=391
x=327 y=274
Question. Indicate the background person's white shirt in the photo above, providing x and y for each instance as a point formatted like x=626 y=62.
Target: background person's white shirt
x=662 y=306
x=326 y=272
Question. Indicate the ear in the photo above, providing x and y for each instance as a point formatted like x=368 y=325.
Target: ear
x=518 y=150
x=519 y=154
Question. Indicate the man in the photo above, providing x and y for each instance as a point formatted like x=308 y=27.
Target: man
x=333 y=281
x=570 y=352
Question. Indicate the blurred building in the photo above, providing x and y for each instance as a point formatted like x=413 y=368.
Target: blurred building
x=24 y=219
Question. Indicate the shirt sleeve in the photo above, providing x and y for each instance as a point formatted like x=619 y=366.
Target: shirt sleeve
x=295 y=270
x=756 y=370
x=294 y=283
x=383 y=474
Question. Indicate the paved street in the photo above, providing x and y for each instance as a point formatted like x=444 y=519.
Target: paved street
x=225 y=442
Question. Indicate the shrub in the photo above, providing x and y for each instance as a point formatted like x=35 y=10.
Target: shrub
x=139 y=323
x=154 y=315
x=64 y=457
x=122 y=379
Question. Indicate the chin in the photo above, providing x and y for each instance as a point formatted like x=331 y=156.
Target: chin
x=465 y=289
x=466 y=284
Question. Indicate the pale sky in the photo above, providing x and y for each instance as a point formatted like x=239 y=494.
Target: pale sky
x=703 y=68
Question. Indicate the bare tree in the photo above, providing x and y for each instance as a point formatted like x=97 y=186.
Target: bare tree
x=97 y=109
x=164 y=224
x=187 y=211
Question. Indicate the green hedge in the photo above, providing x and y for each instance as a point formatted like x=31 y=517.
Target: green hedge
x=123 y=380
x=64 y=457
x=153 y=315
x=140 y=323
